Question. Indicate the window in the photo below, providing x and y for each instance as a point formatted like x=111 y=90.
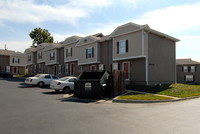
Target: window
x=59 y=69
x=101 y=67
x=89 y=53
x=71 y=80
x=115 y=66
x=185 y=69
x=39 y=55
x=189 y=78
x=52 y=56
x=29 y=57
x=69 y=52
x=47 y=77
x=122 y=47
x=66 y=68
x=54 y=77
x=18 y=60
x=13 y=60
x=192 y=69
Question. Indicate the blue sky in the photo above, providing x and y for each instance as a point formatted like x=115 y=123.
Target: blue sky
x=64 y=18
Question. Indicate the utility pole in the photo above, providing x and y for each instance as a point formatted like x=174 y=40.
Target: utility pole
x=5 y=47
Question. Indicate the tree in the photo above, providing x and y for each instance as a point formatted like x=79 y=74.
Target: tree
x=40 y=36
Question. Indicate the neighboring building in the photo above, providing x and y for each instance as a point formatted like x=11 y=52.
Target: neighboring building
x=70 y=56
x=31 y=58
x=146 y=56
x=52 y=58
x=188 y=71
x=5 y=60
x=41 y=58
x=18 y=63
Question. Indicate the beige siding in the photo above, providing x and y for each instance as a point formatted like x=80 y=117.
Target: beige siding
x=134 y=45
x=43 y=56
x=22 y=59
x=125 y=29
x=85 y=41
x=82 y=54
x=47 y=57
x=161 y=61
x=74 y=53
x=32 y=59
x=69 y=41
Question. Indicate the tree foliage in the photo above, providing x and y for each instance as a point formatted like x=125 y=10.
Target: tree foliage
x=40 y=36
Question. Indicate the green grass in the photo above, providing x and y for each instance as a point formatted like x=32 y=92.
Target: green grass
x=18 y=75
x=176 y=90
x=134 y=96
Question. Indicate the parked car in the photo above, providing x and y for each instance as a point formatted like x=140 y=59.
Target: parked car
x=5 y=74
x=65 y=84
x=40 y=79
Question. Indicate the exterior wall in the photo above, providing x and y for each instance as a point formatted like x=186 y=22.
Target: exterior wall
x=74 y=53
x=18 y=70
x=61 y=62
x=181 y=75
x=47 y=57
x=137 y=71
x=20 y=57
x=161 y=60
x=135 y=48
x=82 y=54
x=76 y=69
x=106 y=54
x=4 y=61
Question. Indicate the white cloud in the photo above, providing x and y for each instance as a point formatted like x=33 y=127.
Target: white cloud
x=174 y=19
x=27 y=11
x=15 y=45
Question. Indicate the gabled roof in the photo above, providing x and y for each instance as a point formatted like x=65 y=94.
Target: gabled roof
x=17 y=54
x=29 y=50
x=187 y=61
x=105 y=38
x=132 y=27
x=52 y=46
x=41 y=46
x=87 y=40
x=70 y=40
x=6 y=52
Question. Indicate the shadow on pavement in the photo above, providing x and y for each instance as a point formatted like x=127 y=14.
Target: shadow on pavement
x=77 y=100
x=13 y=79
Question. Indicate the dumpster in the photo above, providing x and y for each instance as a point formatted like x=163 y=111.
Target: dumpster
x=94 y=85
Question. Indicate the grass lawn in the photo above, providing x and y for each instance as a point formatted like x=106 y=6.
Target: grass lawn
x=135 y=96
x=18 y=75
x=176 y=90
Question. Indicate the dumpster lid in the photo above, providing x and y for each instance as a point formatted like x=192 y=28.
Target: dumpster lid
x=91 y=75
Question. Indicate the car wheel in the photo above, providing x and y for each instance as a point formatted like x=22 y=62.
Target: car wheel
x=40 y=84
x=66 y=90
x=56 y=90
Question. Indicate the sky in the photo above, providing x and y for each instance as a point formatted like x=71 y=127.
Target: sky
x=64 y=18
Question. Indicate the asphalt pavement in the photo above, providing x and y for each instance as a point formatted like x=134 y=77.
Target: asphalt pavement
x=32 y=110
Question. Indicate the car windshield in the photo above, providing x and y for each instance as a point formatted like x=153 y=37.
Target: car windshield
x=37 y=76
x=63 y=79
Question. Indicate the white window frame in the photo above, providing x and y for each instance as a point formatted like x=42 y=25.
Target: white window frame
x=122 y=46
x=16 y=60
x=101 y=66
x=52 y=55
x=189 y=78
x=128 y=69
x=185 y=69
x=115 y=66
x=192 y=69
x=7 y=68
x=69 y=52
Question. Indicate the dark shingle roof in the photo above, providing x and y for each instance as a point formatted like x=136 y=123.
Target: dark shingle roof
x=188 y=61
x=6 y=52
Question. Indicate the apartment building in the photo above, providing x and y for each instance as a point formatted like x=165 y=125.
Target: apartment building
x=188 y=71
x=5 y=60
x=144 y=55
x=31 y=60
x=17 y=63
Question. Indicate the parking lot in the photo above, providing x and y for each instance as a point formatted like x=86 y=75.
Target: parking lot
x=31 y=110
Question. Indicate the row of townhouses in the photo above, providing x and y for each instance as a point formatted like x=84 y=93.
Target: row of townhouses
x=144 y=55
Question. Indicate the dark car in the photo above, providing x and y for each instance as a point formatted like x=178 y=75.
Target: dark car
x=5 y=74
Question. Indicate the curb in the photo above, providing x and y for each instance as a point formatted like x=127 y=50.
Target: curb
x=152 y=101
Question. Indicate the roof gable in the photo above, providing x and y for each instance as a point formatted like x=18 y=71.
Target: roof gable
x=188 y=61
x=126 y=28
x=52 y=46
x=18 y=54
x=87 y=40
x=6 y=52
x=29 y=50
x=70 y=40
x=41 y=46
